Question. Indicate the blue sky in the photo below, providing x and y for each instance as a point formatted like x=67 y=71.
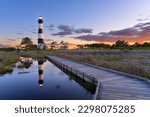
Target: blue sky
x=19 y=17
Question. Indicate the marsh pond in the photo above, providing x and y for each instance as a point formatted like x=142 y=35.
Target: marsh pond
x=34 y=79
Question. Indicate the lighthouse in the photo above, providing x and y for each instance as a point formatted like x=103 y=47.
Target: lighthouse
x=41 y=43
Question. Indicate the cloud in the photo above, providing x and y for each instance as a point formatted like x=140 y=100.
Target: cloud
x=137 y=32
x=90 y=37
x=69 y=30
x=83 y=30
x=144 y=19
x=98 y=38
x=50 y=27
x=48 y=40
x=19 y=33
x=140 y=25
x=12 y=39
x=62 y=33
x=124 y=32
x=64 y=30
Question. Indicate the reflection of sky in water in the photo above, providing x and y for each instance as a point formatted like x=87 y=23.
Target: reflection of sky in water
x=23 y=84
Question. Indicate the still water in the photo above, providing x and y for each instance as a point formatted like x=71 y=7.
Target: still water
x=40 y=80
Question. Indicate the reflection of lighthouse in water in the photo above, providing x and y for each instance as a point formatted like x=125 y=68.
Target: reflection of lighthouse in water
x=41 y=72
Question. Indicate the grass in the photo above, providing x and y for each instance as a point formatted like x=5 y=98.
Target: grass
x=7 y=61
x=4 y=69
x=35 y=54
x=128 y=61
x=121 y=60
x=110 y=57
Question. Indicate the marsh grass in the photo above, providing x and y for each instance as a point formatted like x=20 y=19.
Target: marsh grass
x=35 y=54
x=7 y=61
x=116 y=60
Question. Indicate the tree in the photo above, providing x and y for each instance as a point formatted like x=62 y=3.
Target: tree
x=136 y=44
x=120 y=43
x=62 y=42
x=146 y=44
x=80 y=46
x=27 y=42
x=97 y=45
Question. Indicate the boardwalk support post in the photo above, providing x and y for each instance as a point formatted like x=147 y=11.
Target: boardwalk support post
x=76 y=73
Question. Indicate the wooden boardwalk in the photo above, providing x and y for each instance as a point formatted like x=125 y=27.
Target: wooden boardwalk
x=112 y=86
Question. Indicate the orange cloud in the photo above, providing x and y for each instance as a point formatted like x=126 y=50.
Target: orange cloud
x=138 y=33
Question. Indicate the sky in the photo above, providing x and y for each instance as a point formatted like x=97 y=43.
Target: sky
x=75 y=21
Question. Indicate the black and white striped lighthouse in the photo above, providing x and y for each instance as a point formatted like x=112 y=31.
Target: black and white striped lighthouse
x=41 y=43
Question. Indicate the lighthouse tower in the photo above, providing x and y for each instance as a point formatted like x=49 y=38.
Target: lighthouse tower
x=41 y=43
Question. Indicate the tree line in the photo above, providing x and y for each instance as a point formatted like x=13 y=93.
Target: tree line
x=120 y=44
x=27 y=43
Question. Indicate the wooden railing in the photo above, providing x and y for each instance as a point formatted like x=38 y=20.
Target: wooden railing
x=78 y=73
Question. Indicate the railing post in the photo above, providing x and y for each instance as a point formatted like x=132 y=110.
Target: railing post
x=63 y=66
x=76 y=72
x=93 y=80
x=83 y=75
